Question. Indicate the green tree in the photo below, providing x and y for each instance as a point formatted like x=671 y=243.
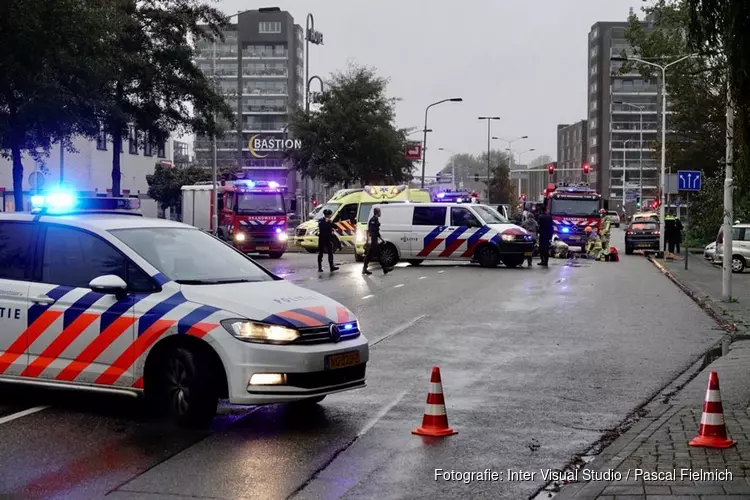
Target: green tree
x=54 y=53
x=500 y=188
x=471 y=171
x=155 y=86
x=352 y=138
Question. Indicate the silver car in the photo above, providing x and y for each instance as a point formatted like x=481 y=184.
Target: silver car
x=614 y=217
x=710 y=251
x=740 y=247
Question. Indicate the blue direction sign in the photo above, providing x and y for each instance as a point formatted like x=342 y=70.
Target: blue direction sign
x=689 y=180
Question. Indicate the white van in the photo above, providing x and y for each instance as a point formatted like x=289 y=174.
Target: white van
x=416 y=232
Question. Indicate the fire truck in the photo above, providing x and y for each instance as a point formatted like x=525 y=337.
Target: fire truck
x=573 y=207
x=252 y=214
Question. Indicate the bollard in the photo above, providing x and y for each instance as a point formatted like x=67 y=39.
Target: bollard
x=725 y=346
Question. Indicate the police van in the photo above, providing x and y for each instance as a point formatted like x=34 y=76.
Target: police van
x=96 y=297
x=451 y=231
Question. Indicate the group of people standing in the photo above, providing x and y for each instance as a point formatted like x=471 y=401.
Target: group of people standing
x=372 y=248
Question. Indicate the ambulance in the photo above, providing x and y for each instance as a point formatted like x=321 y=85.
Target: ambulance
x=96 y=297
x=350 y=209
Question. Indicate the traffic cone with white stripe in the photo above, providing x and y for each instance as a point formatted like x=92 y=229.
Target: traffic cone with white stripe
x=435 y=420
x=713 y=431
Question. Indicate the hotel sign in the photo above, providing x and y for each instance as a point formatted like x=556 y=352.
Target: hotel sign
x=260 y=147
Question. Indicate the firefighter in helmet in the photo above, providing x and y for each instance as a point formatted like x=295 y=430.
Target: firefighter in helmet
x=605 y=227
x=594 y=247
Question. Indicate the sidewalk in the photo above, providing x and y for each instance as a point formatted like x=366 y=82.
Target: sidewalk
x=704 y=283
x=658 y=443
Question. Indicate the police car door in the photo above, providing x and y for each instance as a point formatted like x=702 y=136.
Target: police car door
x=18 y=321
x=92 y=336
x=428 y=226
x=463 y=234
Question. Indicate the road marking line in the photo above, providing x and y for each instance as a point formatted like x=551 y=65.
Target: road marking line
x=398 y=286
x=422 y=277
x=28 y=411
x=382 y=413
x=368 y=296
x=399 y=329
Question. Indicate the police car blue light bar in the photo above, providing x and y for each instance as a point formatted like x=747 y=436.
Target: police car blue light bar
x=63 y=202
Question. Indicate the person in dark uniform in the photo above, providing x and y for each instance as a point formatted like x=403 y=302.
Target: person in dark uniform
x=546 y=231
x=325 y=240
x=373 y=240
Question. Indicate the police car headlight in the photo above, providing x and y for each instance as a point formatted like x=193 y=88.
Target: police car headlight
x=508 y=237
x=360 y=238
x=260 y=332
x=239 y=237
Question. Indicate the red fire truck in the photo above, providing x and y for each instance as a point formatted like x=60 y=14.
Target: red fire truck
x=573 y=207
x=252 y=214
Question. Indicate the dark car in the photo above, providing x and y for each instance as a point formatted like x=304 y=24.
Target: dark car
x=643 y=235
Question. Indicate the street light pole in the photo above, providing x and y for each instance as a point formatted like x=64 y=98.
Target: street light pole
x=624 y=172
x=663 y=182
x=510 y=154
x=489 y=137
x=726 y=269
x=424 y=130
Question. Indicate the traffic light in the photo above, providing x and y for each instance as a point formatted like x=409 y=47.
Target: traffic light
x=638 y=201
x=586 y=168
x=551 y=168
x=523 y=197
x=476 y=177
x=314 y=201
x=438 y=176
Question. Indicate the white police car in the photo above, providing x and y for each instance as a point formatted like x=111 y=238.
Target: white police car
x=94 y=296
x=416 y=232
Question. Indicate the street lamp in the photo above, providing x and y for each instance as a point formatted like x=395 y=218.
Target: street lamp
x=624 y=170
x=510 y=154
x=425 y=130
x=521 y=153
x=664 y=197
x=489 y=134
x=640 y=160
x=453 y=166
x=316 y=38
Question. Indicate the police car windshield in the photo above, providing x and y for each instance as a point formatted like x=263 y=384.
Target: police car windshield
x=190 y=256
x=489 y=215
x=260 y=203
x=581 y=208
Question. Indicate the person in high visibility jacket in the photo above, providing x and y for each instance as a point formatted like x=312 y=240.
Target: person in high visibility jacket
x=594 y=248
x=671 y=232
x=605 y=227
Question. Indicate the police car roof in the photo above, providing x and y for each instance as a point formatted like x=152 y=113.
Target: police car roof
x=97 y=221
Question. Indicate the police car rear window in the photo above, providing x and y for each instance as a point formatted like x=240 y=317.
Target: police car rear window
x=190 y=256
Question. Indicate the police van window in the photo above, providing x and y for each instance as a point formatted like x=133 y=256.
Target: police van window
x=16 y=243
x=365 y=210
x=429 y=216
x=73 y=258
x=348 y=212
x=462 y=217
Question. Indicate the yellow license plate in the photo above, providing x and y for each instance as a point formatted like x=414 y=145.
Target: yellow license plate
x=263 y=248
x=336 y=361
x=528 y=254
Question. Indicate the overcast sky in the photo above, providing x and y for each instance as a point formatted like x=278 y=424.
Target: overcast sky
x=522 y=60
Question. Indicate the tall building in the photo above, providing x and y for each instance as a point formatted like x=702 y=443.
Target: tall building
x=572 y=151
x=259 y=67
x=617 y=106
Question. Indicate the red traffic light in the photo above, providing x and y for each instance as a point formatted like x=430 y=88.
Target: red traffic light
x=523 y=197
x=551 y=169
x=586 y=168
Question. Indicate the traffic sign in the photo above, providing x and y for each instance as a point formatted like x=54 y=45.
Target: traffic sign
x=677 y=203
x=689 y=180
x=414 y=151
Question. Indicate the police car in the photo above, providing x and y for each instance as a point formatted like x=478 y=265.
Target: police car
x=416 y=232
x=94 y=296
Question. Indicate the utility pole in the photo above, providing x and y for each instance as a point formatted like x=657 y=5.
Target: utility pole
x=425 y=130
x=726 y=270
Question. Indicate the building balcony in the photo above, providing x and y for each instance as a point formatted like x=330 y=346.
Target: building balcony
x=262 y=129
x=262 y=112
x=257 y=92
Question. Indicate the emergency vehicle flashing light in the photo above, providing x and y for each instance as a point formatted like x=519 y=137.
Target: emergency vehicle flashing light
x=65 y=202
x=258 y=186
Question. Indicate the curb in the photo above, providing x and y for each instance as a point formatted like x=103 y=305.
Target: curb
x=704 y=304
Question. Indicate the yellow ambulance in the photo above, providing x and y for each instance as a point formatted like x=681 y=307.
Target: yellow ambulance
x=351 y=209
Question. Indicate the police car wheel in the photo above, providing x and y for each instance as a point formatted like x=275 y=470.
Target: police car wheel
x=183 y=388
x=388 y=255
x=487 y=256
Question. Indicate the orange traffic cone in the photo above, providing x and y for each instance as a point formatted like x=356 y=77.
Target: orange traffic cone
x=713 y=432
x=435 y=420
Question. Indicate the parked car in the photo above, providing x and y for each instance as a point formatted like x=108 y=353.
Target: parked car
x=614 y=217
x=709 y=251
x=642 y=236
x=740 y=247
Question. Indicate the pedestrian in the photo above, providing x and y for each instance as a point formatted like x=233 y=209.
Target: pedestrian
x=532 y=226
x=678 y=235
x=325 y=240
x=670 y=233
x=546 y=231
x=373 y=241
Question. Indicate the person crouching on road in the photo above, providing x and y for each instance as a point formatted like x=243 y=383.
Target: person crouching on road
x=325 y=240
x=530 y=224
x=373 y=241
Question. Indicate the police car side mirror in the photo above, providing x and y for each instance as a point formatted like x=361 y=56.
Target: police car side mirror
x=109 y=284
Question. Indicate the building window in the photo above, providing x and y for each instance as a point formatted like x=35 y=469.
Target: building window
x=133 y=141
x=101 y=139
x=160 y=151
x=147 y=148
x=269 y=27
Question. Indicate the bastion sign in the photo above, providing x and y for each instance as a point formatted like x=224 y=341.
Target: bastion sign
x=260 y=147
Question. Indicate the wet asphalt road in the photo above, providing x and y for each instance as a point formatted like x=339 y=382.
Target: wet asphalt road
x=537 y=365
